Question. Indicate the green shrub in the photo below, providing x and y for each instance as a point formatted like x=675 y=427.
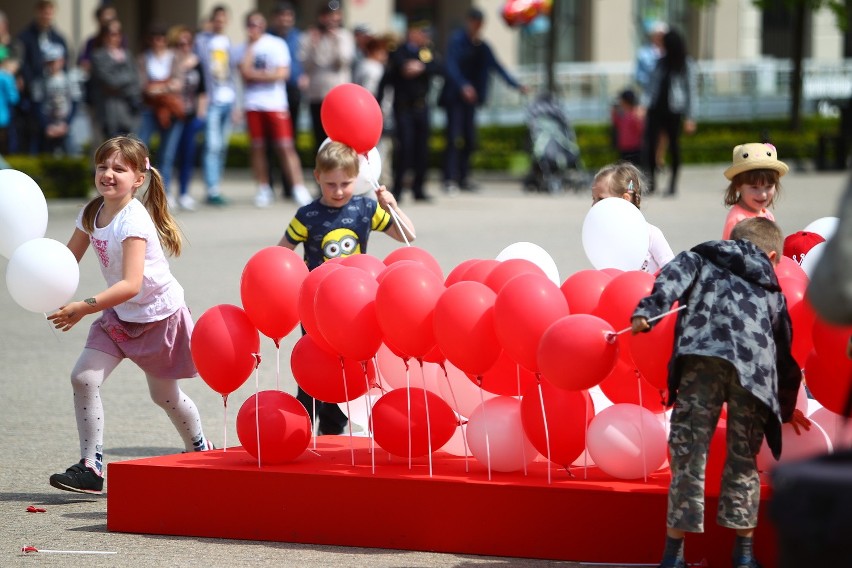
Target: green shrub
x=57 y=177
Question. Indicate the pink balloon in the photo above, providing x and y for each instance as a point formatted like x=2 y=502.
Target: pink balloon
x=495 y=435
x=525 y=307
x=574 y=353
x=789 y=268
x=805 y=444
x=346 y=313
x=464 y=327
x=405 y=301
x=583 y=290
x=627 y=441
x=458 y=391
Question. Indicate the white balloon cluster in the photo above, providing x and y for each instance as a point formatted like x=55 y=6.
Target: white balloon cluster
x=42 y=274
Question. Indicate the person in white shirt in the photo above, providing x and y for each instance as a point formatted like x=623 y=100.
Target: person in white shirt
x=264 y=65
x=624 y=180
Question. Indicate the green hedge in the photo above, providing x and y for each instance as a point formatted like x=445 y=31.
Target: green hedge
x=501 y=149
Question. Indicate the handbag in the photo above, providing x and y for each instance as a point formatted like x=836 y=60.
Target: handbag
x=167 y=106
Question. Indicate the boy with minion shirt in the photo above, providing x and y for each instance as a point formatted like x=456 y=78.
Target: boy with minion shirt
x=336 y=225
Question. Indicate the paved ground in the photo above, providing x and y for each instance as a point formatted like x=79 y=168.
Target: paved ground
x=36 y=414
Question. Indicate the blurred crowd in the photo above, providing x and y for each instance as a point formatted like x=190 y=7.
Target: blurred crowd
x=191 y=86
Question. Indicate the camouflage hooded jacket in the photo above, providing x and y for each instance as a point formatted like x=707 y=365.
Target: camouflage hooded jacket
x=736 y=312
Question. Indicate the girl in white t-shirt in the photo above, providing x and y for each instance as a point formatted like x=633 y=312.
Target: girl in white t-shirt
x=143 y=314
x=624 y=180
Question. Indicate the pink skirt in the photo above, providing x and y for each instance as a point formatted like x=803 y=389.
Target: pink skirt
x=160 y=348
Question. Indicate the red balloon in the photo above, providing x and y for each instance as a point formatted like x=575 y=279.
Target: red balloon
x=612 y=271
x=405 y=302
x=373 y=265
x=793 y=289
x=350 y=114
x=652 y=351
x=223 y=346
x=568 y=414
x=345 y=308
x=479 y=271
x=618 y=302
x=284 y=424
x=583 y=290
x=508 y=269
x=574 y=353
x=789 y=268
x=320 y=375
x=830 y=340
x=307 y=297
x=623 y=385
x=464 y=327
x=457 y=273
x=505 y=377
x=394 y=425
x=829 y=381
x=417 y=255
x=269 y=290
x=525 y=307
x=803 y=316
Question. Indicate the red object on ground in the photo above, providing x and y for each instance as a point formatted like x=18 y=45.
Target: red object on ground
x=535 y=518
x=34 y=509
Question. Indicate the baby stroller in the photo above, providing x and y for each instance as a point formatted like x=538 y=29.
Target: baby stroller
x=556 y=162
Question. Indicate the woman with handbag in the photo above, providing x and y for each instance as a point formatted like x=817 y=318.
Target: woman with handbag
x=163 y=109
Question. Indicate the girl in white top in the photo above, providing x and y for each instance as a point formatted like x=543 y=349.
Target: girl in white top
x=143 y=314
x=624 y=180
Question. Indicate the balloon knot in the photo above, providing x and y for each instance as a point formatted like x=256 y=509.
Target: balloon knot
x=257 y=359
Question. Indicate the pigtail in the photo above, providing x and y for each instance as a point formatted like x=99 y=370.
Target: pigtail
x=157 y=204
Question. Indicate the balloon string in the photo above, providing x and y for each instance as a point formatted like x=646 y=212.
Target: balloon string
x=457 y=410
x=546 y=430
x=257 y=411
x=523 y=446
x=485 y=423
x=428 y=424
x=642 y=428
x=368 y=402
x=400 y=224
x=52 y=329
x=277 y=366
x=610 y=336
x=348 y=410
x=225 y=422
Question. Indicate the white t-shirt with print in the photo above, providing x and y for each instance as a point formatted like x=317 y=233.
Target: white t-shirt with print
x=161 y=294
x=268 y=52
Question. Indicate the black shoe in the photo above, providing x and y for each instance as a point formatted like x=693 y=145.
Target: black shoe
x=78 y=478
x=424 y=198
x=469 y=186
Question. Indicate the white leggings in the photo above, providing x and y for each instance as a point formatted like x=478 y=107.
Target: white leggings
x=92 y=369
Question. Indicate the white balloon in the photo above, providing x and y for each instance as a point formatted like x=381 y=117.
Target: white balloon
x=42 y=275
x=839 y=431
x=615 y=235
x=824 y=226
x=495 y=435
x=369 y=171
x=23 y=211
x=535 y=254
x=627 y=441
x=812 y=258
x=806 y=444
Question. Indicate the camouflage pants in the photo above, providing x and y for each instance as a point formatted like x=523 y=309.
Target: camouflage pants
x=706 y=383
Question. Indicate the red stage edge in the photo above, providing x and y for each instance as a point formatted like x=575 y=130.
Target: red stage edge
x=588 y=518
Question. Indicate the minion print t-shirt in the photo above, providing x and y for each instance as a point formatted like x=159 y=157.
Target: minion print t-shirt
x=331 y=232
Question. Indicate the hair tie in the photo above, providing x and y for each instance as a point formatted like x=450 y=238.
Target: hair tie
x=630 y=187
x=147 y=164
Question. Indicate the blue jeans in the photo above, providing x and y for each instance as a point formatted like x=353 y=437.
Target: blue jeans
x=461 y=123
x=186 y=150
x=217 y=132
x=169 y=139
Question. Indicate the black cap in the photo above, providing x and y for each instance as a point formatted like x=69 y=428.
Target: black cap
x=475 y=14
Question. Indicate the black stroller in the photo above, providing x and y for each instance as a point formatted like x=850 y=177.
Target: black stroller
x=556 y=163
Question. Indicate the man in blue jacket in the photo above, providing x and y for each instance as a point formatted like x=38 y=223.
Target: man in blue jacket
x=469 y=60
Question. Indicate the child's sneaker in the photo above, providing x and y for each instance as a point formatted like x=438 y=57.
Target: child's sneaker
x=78 y=478
x=746 y=562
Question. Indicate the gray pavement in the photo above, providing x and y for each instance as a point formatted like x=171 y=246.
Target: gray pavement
x=36 y=413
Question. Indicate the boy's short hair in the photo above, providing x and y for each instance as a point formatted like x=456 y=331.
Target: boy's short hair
x=762 y=232
x=337 y=156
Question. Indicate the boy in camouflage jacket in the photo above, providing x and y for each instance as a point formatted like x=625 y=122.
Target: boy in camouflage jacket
x=732 y=345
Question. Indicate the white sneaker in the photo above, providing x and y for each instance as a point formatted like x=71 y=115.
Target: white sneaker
x=171 y=201
x=264 y=197
x=186 y=202
x=301 y=195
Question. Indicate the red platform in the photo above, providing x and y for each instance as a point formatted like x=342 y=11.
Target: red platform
x=223 y=494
